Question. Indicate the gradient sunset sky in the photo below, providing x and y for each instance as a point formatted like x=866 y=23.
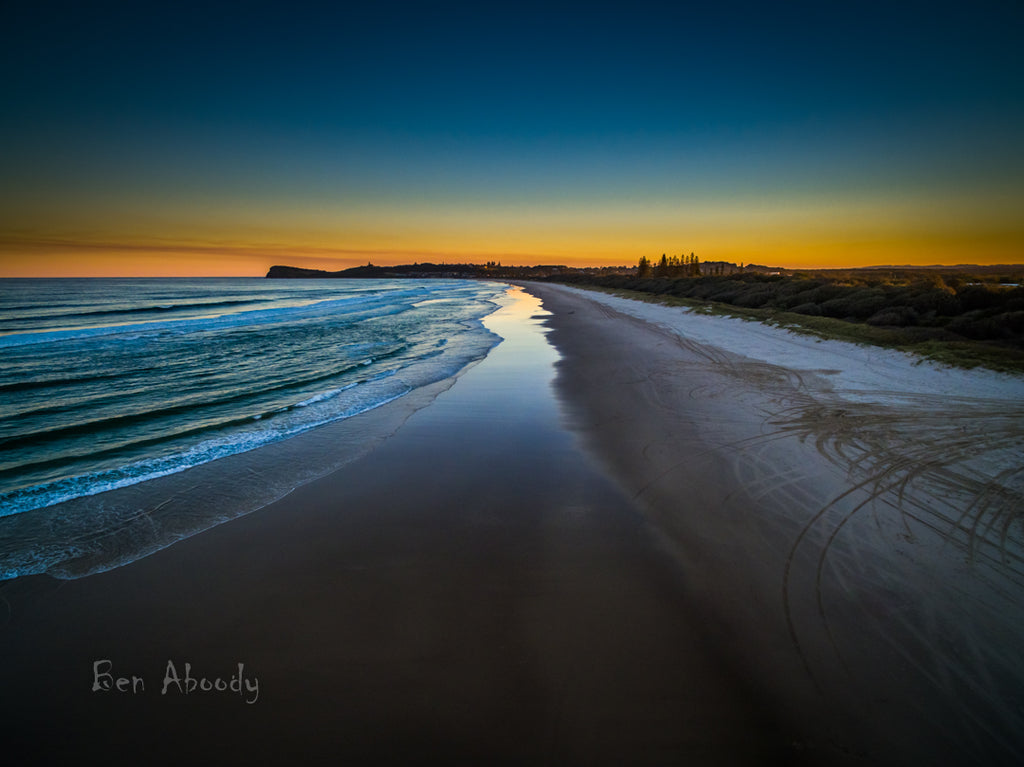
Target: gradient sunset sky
x=179 y=139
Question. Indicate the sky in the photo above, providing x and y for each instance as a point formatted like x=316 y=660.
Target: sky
x=218 y=139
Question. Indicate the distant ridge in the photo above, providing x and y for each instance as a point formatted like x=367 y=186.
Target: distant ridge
x=490 y=270
x=493 y=270
x=973 y=268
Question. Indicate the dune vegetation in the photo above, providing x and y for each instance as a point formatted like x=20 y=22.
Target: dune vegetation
x=954 y=317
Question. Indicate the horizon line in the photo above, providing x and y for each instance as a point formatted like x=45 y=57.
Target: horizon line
x=959 y=266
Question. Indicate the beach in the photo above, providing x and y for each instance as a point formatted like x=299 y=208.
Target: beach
x=846 y=517
x=617 y=539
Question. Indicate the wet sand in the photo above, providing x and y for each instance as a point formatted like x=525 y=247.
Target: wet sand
x=474 y=590
x=645 y=551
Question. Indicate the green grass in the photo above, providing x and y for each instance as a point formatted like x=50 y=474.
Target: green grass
x=955 y=353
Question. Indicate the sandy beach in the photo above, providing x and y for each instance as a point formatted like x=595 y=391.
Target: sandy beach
x=627 y=536
x=847 y=518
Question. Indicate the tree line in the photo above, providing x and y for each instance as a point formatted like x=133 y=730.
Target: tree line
x=672 y=267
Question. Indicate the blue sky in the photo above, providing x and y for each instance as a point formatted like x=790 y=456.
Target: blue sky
x=747 y=131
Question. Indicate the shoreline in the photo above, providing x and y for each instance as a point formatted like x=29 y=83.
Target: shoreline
x=97 y=531
x=472 y=589
x=604 y=543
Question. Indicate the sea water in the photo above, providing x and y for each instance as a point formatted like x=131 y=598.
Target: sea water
x=107 y=383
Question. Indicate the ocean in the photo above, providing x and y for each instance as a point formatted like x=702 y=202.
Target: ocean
x=108 y=383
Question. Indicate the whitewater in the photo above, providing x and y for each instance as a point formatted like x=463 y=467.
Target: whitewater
x=108 y=383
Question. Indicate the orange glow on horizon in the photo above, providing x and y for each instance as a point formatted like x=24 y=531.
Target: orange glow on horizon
x=614 y=245
x=137 y=263
x=85 y=236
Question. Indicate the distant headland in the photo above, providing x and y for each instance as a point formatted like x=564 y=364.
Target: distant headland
x=491 y=270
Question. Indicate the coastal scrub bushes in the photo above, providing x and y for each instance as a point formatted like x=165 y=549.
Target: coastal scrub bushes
x=914 y=305
x=895 y=316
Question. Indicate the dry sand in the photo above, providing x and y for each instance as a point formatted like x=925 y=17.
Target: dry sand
x=667 y=554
